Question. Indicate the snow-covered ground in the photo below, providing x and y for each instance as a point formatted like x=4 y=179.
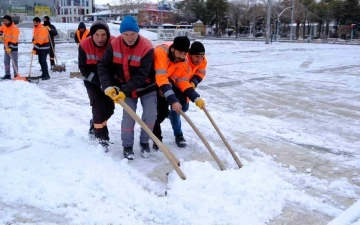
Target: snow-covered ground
x=290 y=111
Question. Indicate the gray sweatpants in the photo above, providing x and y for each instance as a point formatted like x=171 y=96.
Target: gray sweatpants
x=149 y=105
x=14 y=55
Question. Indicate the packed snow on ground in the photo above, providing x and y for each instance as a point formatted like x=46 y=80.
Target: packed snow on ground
x=286 y=96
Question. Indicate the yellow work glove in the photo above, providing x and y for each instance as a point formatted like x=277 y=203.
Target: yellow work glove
x=193 y=85
x=47 y=27
x=121 y=96
x=199 y=103
x=33 y=52
x=114 y=93
x=8 y=50
x=1 y=38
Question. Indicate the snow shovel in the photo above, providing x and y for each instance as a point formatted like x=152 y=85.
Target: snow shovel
x=223 y=138
x=168 y=154
x=18 y=77
x=56 y=67
x=30 y=78
x=76 y=74
x=212 y=153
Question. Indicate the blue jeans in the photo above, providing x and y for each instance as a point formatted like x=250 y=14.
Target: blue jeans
x=175 y=119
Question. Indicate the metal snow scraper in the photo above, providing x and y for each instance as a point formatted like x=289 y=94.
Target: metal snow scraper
x=76 y=74
x=56 y=67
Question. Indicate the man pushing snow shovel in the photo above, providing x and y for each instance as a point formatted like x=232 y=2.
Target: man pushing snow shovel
x=90 y=51
x=9 y=33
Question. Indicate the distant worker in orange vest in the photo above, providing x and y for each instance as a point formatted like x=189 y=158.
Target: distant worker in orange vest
x=41 y=46
x=9 y=33
x=52 y=33
x=81 y=33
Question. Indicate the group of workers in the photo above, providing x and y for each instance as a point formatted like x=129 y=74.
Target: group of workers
x=43 y=44
x=128 y=68
x=125 y=68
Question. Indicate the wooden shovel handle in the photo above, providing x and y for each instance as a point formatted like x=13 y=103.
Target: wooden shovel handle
x=212 y=153
x=223 y=138
x=168 y=154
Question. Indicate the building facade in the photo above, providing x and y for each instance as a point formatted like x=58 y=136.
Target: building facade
x=28 y=8
x=73 y=11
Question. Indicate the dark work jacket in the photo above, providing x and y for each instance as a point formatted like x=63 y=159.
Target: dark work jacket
x=88 y=57
x=128 y=67
x=53 y=32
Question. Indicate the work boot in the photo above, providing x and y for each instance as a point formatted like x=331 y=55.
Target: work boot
x=180 y=141
x=105 y=144
x=155 y=147
x=92 y=130
x=45 y=77
x=145 y=150
x=128 y=153
x=6 y=77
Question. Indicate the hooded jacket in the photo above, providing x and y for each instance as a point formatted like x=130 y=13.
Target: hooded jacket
x=90 y=53
x=131 y=66
x=52 y=32
x=79 y=36
x=11 y=35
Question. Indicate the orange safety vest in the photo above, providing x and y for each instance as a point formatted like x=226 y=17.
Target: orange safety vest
x=85 y=34
x=11 y=36
x=198 y=70
x=179 y=73
x=41 y=38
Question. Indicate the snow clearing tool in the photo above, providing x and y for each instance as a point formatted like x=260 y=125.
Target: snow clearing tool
x=213 y=154
x=223 y=138
x=76 y=74
x=30 y=78
x=56 y=67
x=18 y=77
x=168 y=154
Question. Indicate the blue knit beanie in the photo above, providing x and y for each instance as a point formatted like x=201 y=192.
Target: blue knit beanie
x=129 y=24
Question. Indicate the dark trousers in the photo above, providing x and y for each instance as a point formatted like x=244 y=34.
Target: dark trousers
x=52 y=55
x=43 y=63
x=162 y=112
x=102 y=109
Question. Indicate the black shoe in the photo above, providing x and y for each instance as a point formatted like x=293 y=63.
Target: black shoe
x=155 y=146
x=180 y=141
x=145 y=150
x=6 y=77
x=45 y=77
x=128 y=153
x=92 y=130
x=104 y=144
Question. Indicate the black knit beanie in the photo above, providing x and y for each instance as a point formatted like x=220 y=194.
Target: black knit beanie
x=197 y=48
x=7 y=17
x=181 y=43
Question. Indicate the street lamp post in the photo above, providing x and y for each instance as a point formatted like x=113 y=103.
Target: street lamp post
x=268 y=21
x=278 y=20
x=292 y=19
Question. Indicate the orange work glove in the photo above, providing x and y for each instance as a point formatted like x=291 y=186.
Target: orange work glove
x=1 y=37
x=199 y=103
x=8 y=50
x=33 y=52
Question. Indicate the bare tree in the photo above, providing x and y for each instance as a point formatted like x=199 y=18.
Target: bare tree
x=128 y=7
